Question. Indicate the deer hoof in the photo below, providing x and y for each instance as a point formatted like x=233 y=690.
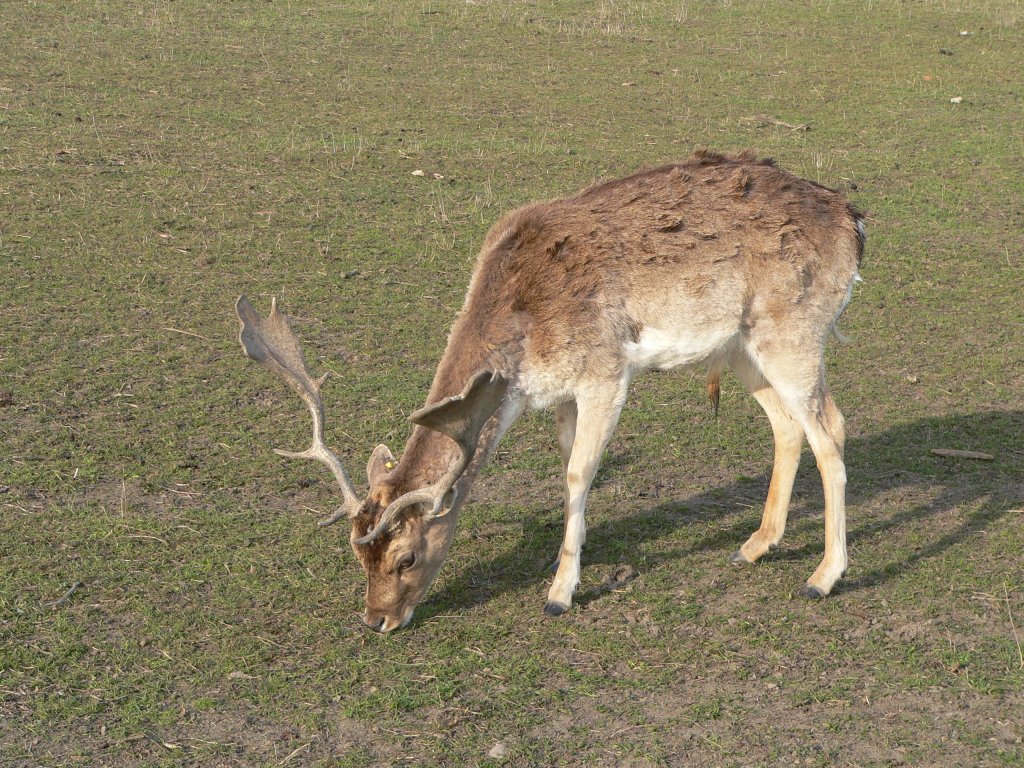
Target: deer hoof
x=738 y=558
x=555 y=609
x=811 y=593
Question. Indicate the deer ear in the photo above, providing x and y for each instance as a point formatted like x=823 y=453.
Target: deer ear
x=381 y=463
x=462 y=417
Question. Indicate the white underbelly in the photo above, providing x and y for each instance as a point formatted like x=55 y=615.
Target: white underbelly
x=663 y=350
x=558 y=380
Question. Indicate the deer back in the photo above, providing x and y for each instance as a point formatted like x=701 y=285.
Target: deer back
x=669 y=266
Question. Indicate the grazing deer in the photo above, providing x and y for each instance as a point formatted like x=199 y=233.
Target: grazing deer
x=720 y=260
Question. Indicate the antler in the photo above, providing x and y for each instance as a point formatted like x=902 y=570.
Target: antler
x=272 y=342
x=461 y=417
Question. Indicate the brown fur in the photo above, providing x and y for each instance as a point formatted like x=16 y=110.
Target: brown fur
x=557 y=279
x=566 y=294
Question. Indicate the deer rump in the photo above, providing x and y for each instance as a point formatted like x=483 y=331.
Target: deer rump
x=717 y=261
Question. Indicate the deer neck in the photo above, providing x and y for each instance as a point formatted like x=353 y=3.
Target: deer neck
x=428 y=455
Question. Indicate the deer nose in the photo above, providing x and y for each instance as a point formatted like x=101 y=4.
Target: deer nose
x=377 y=625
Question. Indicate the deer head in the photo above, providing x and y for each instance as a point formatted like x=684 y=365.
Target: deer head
x=399 y=535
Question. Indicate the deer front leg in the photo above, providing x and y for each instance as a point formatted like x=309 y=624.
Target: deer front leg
x=565 y=430
x=597 y=413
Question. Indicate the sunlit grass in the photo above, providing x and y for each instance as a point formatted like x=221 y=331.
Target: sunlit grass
x=157 y=161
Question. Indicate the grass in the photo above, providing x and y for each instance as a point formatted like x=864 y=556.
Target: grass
x=158 y=159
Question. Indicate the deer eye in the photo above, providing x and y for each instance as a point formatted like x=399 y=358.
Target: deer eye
x=406 y=562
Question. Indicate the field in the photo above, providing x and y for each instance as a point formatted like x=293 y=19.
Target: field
x=166 y=597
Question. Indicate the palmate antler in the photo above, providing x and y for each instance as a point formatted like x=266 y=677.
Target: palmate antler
x=461 y=417
x=272 y=342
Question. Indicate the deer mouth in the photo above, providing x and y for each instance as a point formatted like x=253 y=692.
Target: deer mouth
x=383 y=624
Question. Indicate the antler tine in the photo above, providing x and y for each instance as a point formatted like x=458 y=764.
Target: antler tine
x=421 y=496
x=272 y=342
x=435 y=494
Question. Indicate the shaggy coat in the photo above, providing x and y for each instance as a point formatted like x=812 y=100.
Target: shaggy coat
x=716 y=261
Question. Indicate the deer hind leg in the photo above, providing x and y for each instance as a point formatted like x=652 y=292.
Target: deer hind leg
x=800 y=385
x=597 y=412
x=826 y=434
x=789 y=437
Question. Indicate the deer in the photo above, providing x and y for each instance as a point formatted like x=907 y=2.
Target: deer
x=717 y=261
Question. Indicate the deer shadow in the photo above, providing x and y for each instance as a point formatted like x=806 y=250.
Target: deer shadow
x=881 y=467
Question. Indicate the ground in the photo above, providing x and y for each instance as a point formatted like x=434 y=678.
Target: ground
x=166 y=597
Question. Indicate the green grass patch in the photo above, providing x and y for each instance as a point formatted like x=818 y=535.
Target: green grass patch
x=165 y=595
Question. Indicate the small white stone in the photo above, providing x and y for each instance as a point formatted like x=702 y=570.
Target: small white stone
x=956 y=99
x=498 y=751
